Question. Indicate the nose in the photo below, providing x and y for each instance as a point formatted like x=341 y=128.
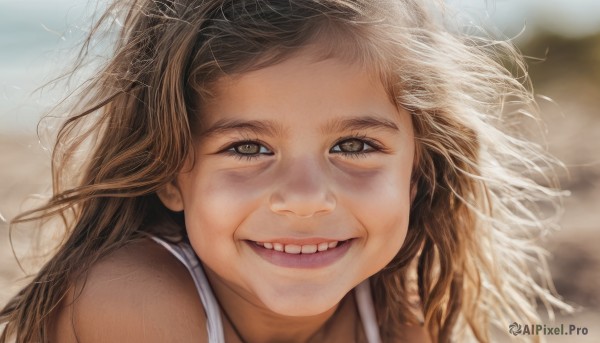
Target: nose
x=302 y=190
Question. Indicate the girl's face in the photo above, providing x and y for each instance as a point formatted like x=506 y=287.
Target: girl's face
x=301 y=185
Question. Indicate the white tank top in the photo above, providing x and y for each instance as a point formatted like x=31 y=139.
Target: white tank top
x=184 y=253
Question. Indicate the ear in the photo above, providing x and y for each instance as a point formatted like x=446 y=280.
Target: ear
x=171 y=197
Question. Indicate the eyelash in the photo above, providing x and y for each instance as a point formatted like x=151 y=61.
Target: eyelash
x=371 y=147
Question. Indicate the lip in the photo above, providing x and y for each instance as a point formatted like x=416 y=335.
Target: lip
x=308 y=261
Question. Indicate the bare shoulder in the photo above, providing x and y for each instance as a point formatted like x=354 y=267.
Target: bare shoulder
x=139 y=293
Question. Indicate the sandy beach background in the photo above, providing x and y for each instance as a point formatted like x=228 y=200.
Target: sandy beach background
x=569 y=75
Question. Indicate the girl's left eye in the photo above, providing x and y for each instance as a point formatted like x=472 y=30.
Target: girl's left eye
x=354 y=147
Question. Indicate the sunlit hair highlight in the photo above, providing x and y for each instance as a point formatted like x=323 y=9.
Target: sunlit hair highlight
x=474 y=219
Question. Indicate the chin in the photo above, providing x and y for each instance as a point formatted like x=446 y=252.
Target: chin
x=303 y=302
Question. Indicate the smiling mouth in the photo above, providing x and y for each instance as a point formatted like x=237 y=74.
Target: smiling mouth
x=300 y=249
x=302 y=256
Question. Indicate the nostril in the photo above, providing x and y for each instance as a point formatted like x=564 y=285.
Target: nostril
x=302 y=206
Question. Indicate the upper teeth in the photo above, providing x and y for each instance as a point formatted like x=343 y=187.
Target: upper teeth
x=297 y=249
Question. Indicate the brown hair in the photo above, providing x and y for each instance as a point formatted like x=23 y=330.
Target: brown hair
x=140 y=115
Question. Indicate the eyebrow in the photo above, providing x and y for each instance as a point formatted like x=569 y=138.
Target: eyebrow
x=359 y=123
x=266 y=127
x=271 y=128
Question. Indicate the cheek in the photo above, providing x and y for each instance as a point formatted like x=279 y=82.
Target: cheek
x=381 y=197
x=216 y=204
x=380 y=202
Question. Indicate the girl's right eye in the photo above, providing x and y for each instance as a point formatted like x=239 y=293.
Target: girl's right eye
x=248 y=149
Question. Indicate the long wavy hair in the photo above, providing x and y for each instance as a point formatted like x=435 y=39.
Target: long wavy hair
x=470 y=245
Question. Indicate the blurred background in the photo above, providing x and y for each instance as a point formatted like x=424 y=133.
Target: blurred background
x=561 y=38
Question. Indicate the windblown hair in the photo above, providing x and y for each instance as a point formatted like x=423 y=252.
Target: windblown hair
x=473 y=222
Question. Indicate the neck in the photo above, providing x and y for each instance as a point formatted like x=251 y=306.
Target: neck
x=267 y=326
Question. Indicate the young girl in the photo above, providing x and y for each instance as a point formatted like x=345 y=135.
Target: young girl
x=266 y=171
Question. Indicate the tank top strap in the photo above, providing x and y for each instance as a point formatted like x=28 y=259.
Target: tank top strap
x=366 y=310
x=186 y=255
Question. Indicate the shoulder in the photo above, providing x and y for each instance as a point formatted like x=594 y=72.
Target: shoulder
x=139 y=293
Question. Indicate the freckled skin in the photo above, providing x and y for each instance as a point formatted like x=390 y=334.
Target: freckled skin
x=299 y=189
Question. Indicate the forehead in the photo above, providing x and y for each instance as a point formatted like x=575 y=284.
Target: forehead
x=300 y=90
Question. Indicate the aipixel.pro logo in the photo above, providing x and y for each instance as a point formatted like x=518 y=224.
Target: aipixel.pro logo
x=516 y=329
